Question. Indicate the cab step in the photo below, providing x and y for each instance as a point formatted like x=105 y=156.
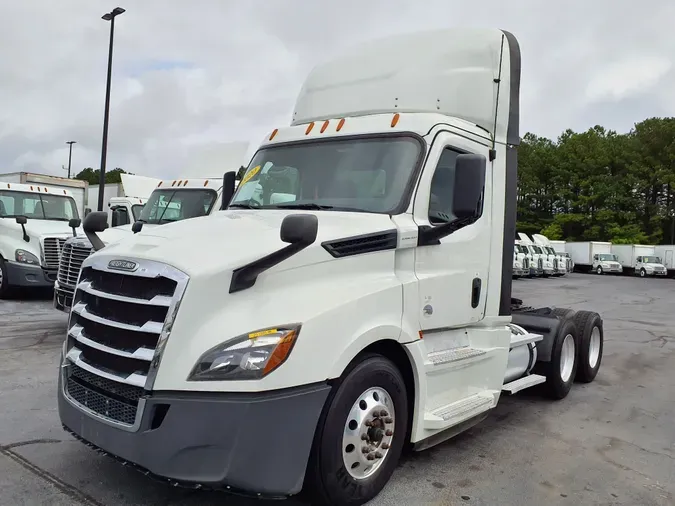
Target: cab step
x=523 y=383
x=454 y=355
x=459 y=411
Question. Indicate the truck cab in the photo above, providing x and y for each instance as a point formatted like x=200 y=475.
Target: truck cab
x=606 y=263
x=649 y=265
x=522 y=261
x=356 y=301
x=170 y=201
x=35 y=222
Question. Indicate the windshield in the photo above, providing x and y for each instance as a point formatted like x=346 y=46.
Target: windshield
x=136 y=211
x=521 y=248
x=366 y=174
x=165 y=206
x=651 y=260
x=537 y=249
x=608 y=258
x=37 y=206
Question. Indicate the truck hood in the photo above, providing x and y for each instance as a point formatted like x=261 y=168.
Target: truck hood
x=41 y=228
x=229 y=239
x=651 y=265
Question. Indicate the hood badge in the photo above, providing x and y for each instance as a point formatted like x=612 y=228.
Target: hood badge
x=122 y=265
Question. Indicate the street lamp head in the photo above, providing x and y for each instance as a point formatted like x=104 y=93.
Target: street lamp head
x=115 y=12
x=71 y=142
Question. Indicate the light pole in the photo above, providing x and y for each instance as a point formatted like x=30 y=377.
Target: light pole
x=110 y=16
x=70 y=154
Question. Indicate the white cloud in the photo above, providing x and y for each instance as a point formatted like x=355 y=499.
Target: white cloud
x=191 y=75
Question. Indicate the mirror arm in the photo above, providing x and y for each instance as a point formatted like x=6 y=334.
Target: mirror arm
x=25 y=234
x=429 y=235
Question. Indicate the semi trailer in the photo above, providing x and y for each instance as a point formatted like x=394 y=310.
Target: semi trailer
x=353 y=300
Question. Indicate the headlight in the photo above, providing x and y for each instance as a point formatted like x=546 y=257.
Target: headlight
x=25 y=257
x=247 y=357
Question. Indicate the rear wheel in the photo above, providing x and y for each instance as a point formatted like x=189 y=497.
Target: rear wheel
x=562 y=368
x=591 y=345
x=360 y=436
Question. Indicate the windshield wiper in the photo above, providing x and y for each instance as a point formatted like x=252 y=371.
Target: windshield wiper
x=306 y=205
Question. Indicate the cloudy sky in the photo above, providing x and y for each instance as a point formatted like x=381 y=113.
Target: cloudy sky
x=191 y=75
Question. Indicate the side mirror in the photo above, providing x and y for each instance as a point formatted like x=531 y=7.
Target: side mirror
x=299 y=229
x=229 y=179
x=22 y=220
x=137 y=227
x=74 y=223
x=86 y=211
x=469 y=184
x=96 y=221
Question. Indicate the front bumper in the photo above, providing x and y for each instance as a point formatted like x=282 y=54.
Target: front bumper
x=657 y=273
x=19 y=274
x=63 y=297
x=536 y=272
x=257 y=443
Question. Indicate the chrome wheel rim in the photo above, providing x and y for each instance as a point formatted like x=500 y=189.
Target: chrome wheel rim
x=368 y=433
x=594 y=348
x=567 y=357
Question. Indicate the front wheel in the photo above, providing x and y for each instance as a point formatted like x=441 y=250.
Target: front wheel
x=599 y=270
x=643 y=273
x=360 y=436
x=4 y=280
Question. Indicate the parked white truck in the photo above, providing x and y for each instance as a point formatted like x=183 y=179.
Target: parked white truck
x=639 y=259
x=554 y=258
x=289 y=343
x=543 y=266
x=35 y=221
x=666 y=252
x=171 y=200
x=123 y=201
x=594 y=256
x=560 y=248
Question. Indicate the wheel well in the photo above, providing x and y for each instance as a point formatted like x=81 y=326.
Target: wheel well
x=394 y=351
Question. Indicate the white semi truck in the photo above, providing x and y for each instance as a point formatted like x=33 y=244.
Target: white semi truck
x=639 y=259
x=171 y=200
x=76 y=188
x=554 y=258
x=540 y=258
x=35 y=222
x=360 y=303
x=123 y=201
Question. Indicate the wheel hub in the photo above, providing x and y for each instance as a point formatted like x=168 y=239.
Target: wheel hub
x=368 y=433
x=567 y=358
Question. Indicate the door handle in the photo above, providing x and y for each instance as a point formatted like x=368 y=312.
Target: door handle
x=475 y=292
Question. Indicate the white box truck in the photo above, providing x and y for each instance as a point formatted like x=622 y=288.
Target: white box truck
x=666 y=253
x=76 y=188
x=594 y=256
x=560 y=248
x=123 y=201
x=353 y=299
x=639 y=259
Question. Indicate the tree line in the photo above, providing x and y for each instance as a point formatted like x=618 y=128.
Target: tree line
x=600 y=185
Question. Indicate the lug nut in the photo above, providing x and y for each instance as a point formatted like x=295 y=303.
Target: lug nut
x=369 y=423
x=365 y=449
x=389 y=420
x=389 y=433
x=370 y=456
x=378 y=455
x=364 y=437
x=385 y=446
x=384 y=413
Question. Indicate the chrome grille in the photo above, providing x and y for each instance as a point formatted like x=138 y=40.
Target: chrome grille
x=119 y=324
x=526 y=263
x=70 y=264
x=540 y=263
x=51 y=247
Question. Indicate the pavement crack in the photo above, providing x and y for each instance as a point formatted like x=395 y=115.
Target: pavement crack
x=61 y=485
x=29 y=442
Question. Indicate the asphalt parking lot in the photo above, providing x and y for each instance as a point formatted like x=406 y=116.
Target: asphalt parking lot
x=608 y=443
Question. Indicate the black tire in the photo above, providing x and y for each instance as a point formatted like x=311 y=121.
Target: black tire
x=563 y=312
x=327 y=481
x=586 y=322
x=643 y=273
x=599 y=270
x=555 y=386
x=5 y=289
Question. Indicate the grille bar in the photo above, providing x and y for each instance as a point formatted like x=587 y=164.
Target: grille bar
x=141 y=353
x=157 y=300
x=134 y=379
x=151 y=327
x=72 y=257
x=52 y=251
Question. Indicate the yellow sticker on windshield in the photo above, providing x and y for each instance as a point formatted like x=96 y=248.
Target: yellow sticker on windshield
x=250 y=174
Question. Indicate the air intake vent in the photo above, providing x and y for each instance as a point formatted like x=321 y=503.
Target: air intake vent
x=357 y=245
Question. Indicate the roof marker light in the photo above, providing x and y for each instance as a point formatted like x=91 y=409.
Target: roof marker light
x=309 y=128
x=341 y=123
x=274 y=133
x=394 y=120
x=324 y=126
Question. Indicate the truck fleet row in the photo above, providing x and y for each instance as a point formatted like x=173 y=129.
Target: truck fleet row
x=350 y=300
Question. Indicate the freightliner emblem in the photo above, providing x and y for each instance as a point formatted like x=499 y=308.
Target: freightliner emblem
x=122 y=265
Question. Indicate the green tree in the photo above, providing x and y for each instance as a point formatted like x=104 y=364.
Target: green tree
x=92 y=175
